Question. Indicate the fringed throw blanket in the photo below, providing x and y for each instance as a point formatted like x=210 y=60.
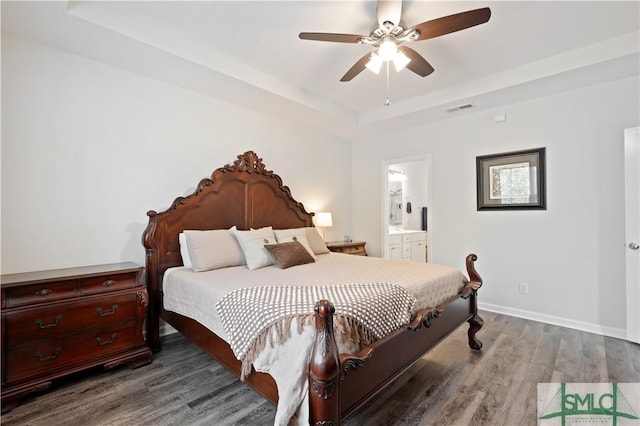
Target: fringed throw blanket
x=364 y=311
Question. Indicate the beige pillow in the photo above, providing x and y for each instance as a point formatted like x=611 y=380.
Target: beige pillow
x=252 y=244
x=184 y=250
x=289 y=254
x=294 y=234
x=213 y=249
x=315 y=241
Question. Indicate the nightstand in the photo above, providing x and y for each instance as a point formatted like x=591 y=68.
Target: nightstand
x=352 y=247
x=58 y=322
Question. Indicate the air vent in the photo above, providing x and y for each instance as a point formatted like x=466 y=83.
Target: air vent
x=459 y=108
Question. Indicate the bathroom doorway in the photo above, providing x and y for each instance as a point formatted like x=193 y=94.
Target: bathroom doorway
x=406 y=200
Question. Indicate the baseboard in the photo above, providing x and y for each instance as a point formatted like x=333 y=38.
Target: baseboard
x=619 y=333
x=166 y=329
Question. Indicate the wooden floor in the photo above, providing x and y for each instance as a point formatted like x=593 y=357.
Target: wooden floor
x=450 y=386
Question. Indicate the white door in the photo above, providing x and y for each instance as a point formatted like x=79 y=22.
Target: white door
x=632 y=230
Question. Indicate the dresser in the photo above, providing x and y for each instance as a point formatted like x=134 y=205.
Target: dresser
x=351 y=247
x=62 y=321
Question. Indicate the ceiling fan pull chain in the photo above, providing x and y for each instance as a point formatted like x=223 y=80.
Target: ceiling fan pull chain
x=387 y=102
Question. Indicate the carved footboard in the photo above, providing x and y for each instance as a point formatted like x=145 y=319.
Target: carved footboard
x=340 y=383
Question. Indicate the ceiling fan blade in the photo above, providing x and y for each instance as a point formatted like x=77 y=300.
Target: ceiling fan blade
x=418 y=64
x=357 y=68
x=389 y=10
x=452 y=23
x=339 y=38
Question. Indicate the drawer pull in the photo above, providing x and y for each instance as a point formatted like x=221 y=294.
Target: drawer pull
x=56 y=352
x=108 y=342
x=43 y=292
x=109 y=283
x=114 y=308
x=53 y=324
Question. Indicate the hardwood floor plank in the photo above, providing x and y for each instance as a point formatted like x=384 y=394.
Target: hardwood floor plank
x=622 y=365
x=593 y=350
x=568 y=359
x=452 y=385
x=467 y=413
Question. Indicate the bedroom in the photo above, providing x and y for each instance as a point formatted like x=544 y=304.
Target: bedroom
x=93 y=138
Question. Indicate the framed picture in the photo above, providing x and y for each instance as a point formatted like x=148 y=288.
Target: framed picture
x=512 y=180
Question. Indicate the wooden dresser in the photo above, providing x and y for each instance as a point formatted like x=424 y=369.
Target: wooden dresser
x=351 y=247
x=62 y=321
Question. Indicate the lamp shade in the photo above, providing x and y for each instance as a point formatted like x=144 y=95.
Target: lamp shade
x=323 y=219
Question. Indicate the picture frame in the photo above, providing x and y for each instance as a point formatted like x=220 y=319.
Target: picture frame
x=512 y=180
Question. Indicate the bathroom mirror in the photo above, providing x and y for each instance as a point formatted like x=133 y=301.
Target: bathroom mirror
x=395 y=203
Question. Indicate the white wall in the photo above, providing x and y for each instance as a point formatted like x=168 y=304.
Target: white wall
x=572 y=254
x=88 y=149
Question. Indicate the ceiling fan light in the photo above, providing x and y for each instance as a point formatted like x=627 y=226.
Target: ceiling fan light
x=400 y=61
x=387 y=49
x=375 y=63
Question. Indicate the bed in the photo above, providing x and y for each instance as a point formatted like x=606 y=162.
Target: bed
x=246 y=196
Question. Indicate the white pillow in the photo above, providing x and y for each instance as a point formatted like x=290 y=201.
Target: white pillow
x=315 y=241
x=294 y=234
x=252 y=243
x=213 y=249
x=184 y=250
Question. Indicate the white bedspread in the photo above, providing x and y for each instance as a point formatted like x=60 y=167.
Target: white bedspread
x=195 y=294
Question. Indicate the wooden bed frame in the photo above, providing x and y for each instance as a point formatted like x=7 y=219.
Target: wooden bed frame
x=248 y=195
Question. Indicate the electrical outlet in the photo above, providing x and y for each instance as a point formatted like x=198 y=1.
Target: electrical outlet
x=523 y=288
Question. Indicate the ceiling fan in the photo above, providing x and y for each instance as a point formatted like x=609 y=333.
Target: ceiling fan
x=389 y=35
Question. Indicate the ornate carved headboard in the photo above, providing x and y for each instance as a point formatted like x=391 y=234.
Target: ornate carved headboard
x=244 y=194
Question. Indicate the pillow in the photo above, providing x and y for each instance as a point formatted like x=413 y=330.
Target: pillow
x=289 y=254
x=184 y=250
x=294 y=234
x=315 y=241
x=252 y=244
x=213 y=249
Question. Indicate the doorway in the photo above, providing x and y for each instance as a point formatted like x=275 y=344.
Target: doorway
x=406 y=198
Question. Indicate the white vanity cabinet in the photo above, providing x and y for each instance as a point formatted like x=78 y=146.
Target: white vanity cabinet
x=419 y=246
x=395 y=246
x=408 y=245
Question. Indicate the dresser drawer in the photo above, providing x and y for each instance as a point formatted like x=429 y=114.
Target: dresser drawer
x=353 y=250
x=352 y=247
x=108 y=283
x=51 y=322
x=45 y=357
x=44 y=292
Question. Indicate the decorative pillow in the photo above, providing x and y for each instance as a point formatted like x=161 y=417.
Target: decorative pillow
x=315 y=241
x=252 y=244
x=213 y=249
x=184 y=250
x=289 y=254
x=294 y=234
